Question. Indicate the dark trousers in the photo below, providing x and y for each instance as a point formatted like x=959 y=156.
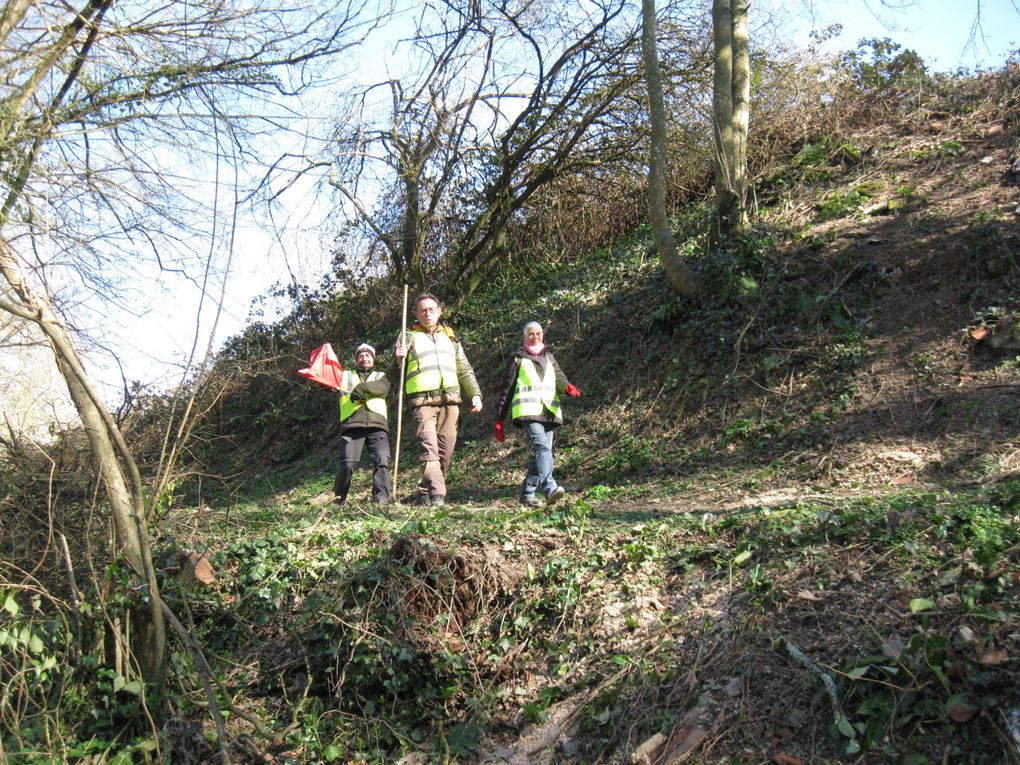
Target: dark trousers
x=352 y=442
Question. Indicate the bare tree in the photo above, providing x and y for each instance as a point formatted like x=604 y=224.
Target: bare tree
x=96 y=106
x=429 y=117
x=680 y=275
x=508 y=97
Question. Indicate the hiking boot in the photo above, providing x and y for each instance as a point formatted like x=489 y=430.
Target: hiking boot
x=555 y=495
x=437 y=501
x=530 y=500
x=338 y=500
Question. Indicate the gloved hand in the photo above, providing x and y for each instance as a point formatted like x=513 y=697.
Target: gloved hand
x=497 y=431
x=572 y=391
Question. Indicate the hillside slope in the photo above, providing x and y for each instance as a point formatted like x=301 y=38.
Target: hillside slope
x=835 y=346
x=794 y=515
x=844 y=349
x=792 y=533
x=941 y=264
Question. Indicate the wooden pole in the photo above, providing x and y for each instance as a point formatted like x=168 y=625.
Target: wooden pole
x=400 y=395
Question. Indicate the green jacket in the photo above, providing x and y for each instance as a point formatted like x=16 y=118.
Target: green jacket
x=465 y=387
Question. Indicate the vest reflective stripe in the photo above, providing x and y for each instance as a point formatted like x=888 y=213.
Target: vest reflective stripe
x=348 y=406
x=433 y=365
x=532 y=395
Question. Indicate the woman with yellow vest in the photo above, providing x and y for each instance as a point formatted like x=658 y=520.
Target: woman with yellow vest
x=364 y=422
x=531 y=393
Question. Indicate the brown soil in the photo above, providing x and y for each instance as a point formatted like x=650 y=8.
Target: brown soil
x=930 y=398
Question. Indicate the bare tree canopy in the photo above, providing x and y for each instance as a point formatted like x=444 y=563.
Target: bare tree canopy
x=119 y=112
x=433 y=163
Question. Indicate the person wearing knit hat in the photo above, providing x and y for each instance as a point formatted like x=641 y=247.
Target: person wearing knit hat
x=364 y=423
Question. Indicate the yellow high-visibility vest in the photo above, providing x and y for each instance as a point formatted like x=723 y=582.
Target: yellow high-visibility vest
x=433 y=365
x=348 y=406
x=532 y=394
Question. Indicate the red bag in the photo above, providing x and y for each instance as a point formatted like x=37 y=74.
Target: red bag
x=324 y=367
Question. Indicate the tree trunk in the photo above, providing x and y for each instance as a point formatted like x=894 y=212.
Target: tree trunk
x=730 y=111
x=114 y=463
x=741 y=88
x=680 y=275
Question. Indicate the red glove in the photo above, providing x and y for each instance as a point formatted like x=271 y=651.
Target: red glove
x=497 y=431
x=572 y=391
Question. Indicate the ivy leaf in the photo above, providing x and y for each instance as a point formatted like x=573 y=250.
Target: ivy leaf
x=951 y=576
x=134 y=687
x=11 y=605
x=464 y=738
x=844 y=726
x=921 y=604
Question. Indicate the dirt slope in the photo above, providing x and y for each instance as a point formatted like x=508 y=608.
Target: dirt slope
x=931 y=256
x=929 y=396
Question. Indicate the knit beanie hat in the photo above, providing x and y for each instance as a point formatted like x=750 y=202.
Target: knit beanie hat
x=364 y=347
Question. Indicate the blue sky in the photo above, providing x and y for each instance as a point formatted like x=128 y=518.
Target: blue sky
x=943 y=32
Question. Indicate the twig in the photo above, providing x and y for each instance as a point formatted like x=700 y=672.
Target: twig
x=205 y=674
x=651 y=406
x=825 y=677
x=75 y=593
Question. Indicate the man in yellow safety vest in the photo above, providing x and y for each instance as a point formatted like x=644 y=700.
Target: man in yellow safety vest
x=364 y=422
x=437 y=378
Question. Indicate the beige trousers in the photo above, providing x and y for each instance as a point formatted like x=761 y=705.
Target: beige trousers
x=436 y=429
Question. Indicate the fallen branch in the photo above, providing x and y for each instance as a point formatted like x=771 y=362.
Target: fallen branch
x=648 y=752
x=825 y=677
x=206 y=676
